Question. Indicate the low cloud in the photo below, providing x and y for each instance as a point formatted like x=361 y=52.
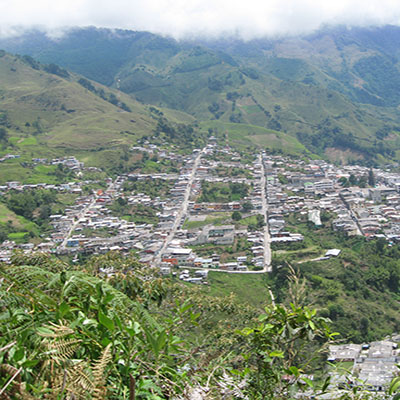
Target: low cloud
x=182 y=18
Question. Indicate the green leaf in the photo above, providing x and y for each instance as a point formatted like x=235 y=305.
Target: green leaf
x=308 y=381
x=276 y=354
x=30 y=363
x=161 y=340
x=63 y=309
x=63 y=277
x=44 y=331
x=394 y=385
x=107 y=322
x=19 y=354
x=326 y=384
x=99 y=290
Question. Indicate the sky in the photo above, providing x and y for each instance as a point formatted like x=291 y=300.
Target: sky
x=246 y=19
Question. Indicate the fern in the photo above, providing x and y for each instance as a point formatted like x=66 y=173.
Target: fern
x=98 y=370
x=56 y=331
x=61 y=350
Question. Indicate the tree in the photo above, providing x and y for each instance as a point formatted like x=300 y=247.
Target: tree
x=352 y=180
x=247 y=206
x=236 y=216
x=371 y=178
x=343 y=181
x=260 y=221
x=280 y=346
x=3 y=134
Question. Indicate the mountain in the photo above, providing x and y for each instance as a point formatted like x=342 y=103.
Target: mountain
x=47 y=112
x=334 y=93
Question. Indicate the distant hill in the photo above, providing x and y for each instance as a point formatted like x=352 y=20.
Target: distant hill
x=334 y=93
x=46 y=111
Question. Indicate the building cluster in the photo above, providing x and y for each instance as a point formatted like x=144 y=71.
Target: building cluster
x=70 y=162
x=278 y=186
x=311 y=188
x=372 y=366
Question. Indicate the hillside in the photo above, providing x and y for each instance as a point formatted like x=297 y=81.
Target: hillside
x=325 y=90
x=47 y=112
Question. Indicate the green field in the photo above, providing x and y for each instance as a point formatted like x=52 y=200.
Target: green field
x=249 y=288
x=214 y=218
x=242 y=135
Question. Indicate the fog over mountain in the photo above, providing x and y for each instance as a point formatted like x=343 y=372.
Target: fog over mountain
x=188 y=18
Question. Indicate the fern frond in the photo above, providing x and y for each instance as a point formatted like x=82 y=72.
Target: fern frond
x=98 y=370
x=80 y=382
x=58 y=331
x=62 y=349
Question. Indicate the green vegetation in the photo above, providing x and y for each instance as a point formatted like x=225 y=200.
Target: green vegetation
x=216 y=218
x=138 y=213
x=219 y=192
x=149 y=186
x=358 y=290
x=71 y=331
x=250 y=289
x=338 y=103
x=253 y=223
x=235 y=172
x=60 y=117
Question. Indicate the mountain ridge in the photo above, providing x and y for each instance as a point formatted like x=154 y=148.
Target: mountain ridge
x=337 y=88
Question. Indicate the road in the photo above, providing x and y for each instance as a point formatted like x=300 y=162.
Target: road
x=353 y=217
x=267 y=242
x=63 y=245
x=182 y=211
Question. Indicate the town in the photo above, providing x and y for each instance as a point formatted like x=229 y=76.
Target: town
x=215 y=202
x=223 y=213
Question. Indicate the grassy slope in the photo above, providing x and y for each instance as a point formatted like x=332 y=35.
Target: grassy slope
x=295 y=105
x=251 y=289
x=245 y=134
x=324 y=83
x=72 y=120
x=28 y=94
x=19 y=223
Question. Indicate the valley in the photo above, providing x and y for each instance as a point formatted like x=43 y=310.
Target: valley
x=211 y=217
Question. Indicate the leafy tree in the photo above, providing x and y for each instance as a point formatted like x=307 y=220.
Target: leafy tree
x=236 y=216
x=280 y=347
x=352 y=180
x=247 y=206
x=56 y=70
x=371 y=178
x=3 y=134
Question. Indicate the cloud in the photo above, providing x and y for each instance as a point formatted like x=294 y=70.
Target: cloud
x=182 y=18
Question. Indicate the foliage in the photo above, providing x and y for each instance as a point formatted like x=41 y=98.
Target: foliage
x=149 y=186
x=222 y=192
x=71 y=333
x=236 y=216
x=358 y=285
x=281 y=356
x=113 y=329
x=33 y=205
x=56 y=70
x=110 y=97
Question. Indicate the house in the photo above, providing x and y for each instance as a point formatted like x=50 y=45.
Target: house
x=333 y=253
x=344 y=352
x=219 y=235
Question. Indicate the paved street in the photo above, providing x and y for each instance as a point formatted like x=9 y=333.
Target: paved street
x=81 y=215
x=267 y=244
x=182 y=211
